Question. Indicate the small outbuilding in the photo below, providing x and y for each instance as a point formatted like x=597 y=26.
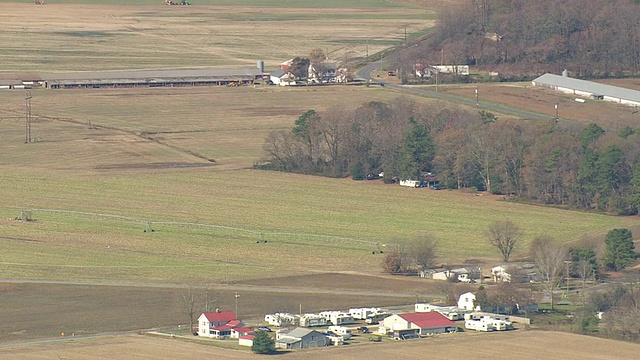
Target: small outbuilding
x=246 y=340
x=300 y=338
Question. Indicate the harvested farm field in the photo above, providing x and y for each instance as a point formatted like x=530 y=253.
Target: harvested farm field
x=523 y=345
x=86 y=309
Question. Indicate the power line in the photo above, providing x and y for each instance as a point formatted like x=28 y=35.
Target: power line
x=27 y=105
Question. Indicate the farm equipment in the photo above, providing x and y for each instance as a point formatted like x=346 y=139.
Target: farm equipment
x=170 y=2
x=40 y=2
x=235 y=83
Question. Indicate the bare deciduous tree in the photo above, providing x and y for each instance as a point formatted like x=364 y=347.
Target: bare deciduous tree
x=424 y=251
x=396 y=260
x=549 y=257
x=189 y=304
x=504 y=235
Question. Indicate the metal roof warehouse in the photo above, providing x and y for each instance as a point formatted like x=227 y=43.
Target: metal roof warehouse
x=148 y=78
x=589 y=89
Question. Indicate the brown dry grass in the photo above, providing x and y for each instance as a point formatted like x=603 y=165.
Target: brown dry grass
x=72 y=37
x=109 y=167
x=531 y=345
x=104 y=127
x=526 y=96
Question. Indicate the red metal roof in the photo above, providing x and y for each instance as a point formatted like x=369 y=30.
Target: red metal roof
x=243 y=329
x=428 y=319
x=223 y=327
x=247 y=337
x=220 y=317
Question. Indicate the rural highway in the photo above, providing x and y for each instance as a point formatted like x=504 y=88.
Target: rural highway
x=365 y=73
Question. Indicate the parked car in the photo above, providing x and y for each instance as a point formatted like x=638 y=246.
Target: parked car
x=364 y=329
x=264 y=328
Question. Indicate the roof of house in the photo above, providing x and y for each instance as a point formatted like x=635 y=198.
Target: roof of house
x=588 y=86
x=299 y=332
x=220 y=316
x=428 y=319
x=243 y=329
x=277 y=73
x=223 y=327
x=247 y=337
x=151 y=74
x=288 y=340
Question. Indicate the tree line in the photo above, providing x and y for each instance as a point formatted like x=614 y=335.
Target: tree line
x=521 y=37
x=572 y=165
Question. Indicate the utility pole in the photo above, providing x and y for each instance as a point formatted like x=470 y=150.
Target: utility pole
x=556 y=112
x=477 y=102
x=367 y=50
x=237 y=296
x=567 y=262
x=27 y=110
x=405 y=34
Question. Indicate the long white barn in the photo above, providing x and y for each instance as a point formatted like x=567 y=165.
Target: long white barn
x=589 y=89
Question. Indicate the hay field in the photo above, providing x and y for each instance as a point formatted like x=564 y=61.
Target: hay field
x=531 y=345
x=183 y=154
x=142 y=153
x=101 y=35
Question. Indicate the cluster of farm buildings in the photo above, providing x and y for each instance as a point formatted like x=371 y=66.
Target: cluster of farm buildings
x=333 y=327
x=329 y=73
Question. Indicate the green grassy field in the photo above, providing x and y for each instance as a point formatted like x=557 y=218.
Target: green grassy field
x=185 y=155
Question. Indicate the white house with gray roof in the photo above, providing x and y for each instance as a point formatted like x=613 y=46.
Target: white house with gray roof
x=589 y=89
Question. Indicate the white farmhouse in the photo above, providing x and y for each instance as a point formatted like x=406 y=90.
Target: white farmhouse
x=217 y=324
x=467 y=301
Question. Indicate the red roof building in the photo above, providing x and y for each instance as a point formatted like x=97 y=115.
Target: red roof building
x=219 y=317
x=428 y=320
x=423 y=323
x=217 y=324
x=246 y=340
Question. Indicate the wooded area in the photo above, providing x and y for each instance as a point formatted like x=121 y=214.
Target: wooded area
x=547 y=162
x=519 y=38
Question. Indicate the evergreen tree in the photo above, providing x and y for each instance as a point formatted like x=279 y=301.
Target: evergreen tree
x=417 y=152
x=590 y=134
x=263 y=343
x=634 y=197
x=357 y=171
x=620 y=249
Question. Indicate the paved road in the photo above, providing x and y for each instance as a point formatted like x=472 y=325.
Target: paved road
x=365 y=73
